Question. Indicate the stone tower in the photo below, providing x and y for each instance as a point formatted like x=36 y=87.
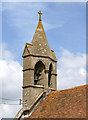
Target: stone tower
x=39 y=67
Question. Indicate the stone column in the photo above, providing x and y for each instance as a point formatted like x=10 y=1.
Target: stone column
x=46 y=81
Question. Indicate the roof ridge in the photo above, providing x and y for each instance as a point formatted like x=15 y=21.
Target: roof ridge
x=72 y=88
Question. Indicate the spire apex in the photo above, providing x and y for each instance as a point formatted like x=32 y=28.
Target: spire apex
x=40 y=15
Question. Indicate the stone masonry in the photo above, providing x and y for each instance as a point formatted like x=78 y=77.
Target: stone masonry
x=39 y=67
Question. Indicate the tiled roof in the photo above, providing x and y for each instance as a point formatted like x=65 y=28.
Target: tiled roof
x=69 y=103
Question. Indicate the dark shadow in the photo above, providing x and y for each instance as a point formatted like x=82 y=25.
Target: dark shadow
x=39 y=73
x=49 y=75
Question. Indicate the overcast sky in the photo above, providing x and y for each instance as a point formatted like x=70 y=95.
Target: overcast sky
x=65 y=28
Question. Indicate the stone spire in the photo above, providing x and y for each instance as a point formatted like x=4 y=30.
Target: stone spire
x=39 y=45
x=40 y=41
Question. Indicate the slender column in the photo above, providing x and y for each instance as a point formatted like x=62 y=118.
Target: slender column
x=46 y=82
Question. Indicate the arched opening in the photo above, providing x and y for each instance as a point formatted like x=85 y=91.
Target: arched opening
x=39 y=73
x=49 y=75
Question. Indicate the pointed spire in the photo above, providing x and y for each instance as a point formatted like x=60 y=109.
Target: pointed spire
x=40 y=15
x=39 y=42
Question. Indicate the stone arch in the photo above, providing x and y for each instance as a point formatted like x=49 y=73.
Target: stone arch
x=49 y=74
x=39 y=73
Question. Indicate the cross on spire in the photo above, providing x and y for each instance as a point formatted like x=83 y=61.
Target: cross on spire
x=39 y=15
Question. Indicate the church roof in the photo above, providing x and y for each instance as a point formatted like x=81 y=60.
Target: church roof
x=69 y=103
x=39 y=45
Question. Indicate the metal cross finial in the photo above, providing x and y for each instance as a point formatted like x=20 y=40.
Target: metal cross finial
x=39 y=15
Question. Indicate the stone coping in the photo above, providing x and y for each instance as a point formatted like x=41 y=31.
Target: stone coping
x=39 y=56
x=38 y=86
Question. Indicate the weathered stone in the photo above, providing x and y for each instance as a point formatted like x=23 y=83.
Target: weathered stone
x=39 y=67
